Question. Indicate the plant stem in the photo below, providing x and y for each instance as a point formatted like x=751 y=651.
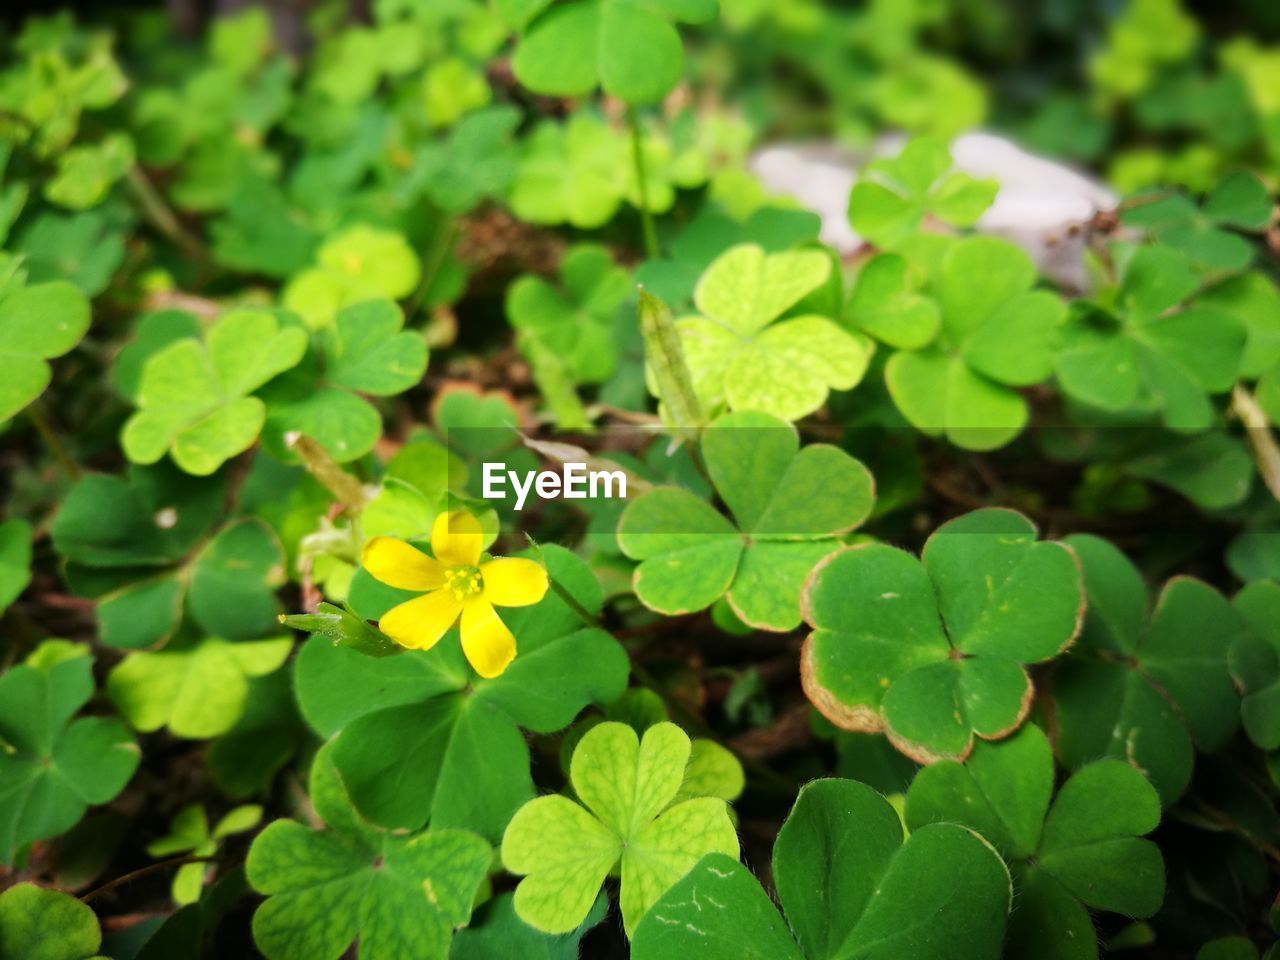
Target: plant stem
x=587 y=617
x=432 y=261
x=142 y=872
x=642 y=182
x=50 y=438
x=157 y=212
x=345 y=489
x=1258 y=428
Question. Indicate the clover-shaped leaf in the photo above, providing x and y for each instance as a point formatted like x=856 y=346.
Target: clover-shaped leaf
x=996 y=334
x=1254 y=659
x=52 y=767
x=942 y=895
x=37 y=323
x=477 y=161
x=741 y=358
x=195 y=398
x=1205 y=233
x=426 y=738
x=887 y=304
x=37 y=923
x=400 y=896
x=197 y=690
x=360 y=263
x=1151 y=349
x=363 y=351
x=628 y=787
x=571 y=173
x=84 y=249
x=189 y=833
x=87 y=171
x=627 y=47
x=893 y=196
x=1085 y=851
x=712 y=771
x=790 y=506
x=576 y=320
x=136 y=545
x=934 y=651
x=1144 y=688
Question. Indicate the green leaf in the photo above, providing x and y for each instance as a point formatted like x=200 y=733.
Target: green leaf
x=627 y=786
x=1153 y=351
x=87 y=171
x=360 y=263
x=52 y=766
x=37 y=323
x=842 y=843
x=933 y=651
x=233 y=581
x=576 y=320
x=571 y=173
x=741 y=358
x=478 y=161
x=893 y=196
x=996 y=334
x=1172 y=685
x=420 y=736
x=1082 y=852
x=197 y=691
x=497 y=933
x=1254 y=661
x=398 y=895
x=15 y=560
x=194 y=397
x=887 y=305
x=629 y=49
x=789 y=505
x=37 y=923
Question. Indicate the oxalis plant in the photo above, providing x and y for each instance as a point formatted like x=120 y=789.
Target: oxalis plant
x=931 y=608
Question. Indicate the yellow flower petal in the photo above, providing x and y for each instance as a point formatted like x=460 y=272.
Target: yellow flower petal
x=397 y=564
x=456 y=539
x=486 y=641
x=419 y=623
x=513 y=582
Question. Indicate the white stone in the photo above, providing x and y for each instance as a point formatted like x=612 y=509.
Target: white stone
x=1043 y=206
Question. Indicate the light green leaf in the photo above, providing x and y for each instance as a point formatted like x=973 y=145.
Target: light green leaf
x=628 y=786
x=193 y=398
x=37 y=923
x=790 y=506
x=198 y=691
x=739 y=357
x=893 y=196
x=37 y=323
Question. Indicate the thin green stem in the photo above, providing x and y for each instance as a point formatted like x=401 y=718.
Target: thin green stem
x=432 y=261
x=142 y=872
x=586 y=615
x=642 y=182
x=50 y=437
x=160 y=216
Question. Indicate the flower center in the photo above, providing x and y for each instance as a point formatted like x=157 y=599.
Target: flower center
x=463 y=582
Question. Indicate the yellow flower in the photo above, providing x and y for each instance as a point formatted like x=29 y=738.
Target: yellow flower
x=455 y=583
